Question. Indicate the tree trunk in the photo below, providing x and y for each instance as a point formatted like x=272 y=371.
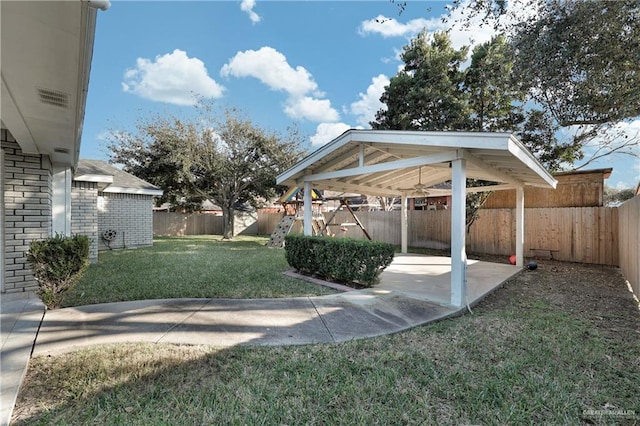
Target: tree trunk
x=227 y=220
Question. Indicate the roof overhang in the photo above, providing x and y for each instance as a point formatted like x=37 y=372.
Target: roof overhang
x=137 y=191
x=394 y=162
x=47 y=47
x=94 y=178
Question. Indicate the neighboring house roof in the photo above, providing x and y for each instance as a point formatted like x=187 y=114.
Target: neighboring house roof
x=578 y=188
x=113 y=179
x=605 y=172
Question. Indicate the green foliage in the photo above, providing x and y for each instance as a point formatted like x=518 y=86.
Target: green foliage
x=578 y=62
x=586 y=60
x=613 y=196
x=57 y=263
x=347 y=260
x=433 y=92
x=494 y=99
x=225 y=159
x=427 y=94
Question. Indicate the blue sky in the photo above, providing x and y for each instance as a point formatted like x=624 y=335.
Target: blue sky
x=321 y=65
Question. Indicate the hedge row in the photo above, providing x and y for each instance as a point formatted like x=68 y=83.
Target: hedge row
x=353 y=262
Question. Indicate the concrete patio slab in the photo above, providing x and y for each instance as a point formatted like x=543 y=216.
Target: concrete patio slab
x=429 y=278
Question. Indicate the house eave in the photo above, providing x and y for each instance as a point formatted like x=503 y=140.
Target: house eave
x=137 y=191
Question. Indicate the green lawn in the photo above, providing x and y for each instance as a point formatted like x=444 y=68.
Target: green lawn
x=198 y=266
x=556 y=346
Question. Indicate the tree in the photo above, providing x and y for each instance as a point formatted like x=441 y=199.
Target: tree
x=158 y=152
x=495 y=101
x=433 y=92
x=239 y=164
x=427 y=94
x=613 y=196
x=227 y=160
x=579 y=62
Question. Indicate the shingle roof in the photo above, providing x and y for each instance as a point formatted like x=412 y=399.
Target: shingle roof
x=117 y=180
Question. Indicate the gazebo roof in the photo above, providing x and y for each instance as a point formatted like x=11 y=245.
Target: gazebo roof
x=395 y=162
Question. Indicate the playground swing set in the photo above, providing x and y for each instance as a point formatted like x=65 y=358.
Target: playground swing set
x=293 y=216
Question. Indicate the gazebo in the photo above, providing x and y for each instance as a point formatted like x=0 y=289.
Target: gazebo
x=408 y=163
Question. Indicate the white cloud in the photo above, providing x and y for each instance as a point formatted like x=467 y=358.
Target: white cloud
x=311 y=109
x=463 y=31
x=631 y=128
x=270 y=67
x=104 y=135
x=389 y=27
x=620 y=133
x=622 y=185
x=326 y=132
x=172 y=78
x=247 y=6
x=368 y=104
x=472 y=32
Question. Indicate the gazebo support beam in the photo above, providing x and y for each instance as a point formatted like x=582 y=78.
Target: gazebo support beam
x=403 y=223
x=307 y=219
x=520 y=227
x=458 y=234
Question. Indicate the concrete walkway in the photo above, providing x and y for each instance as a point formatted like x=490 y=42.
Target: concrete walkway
x=412 y=291
x=20 y=318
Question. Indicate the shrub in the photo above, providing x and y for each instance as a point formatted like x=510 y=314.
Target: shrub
x=354 y=262
x=57 y=263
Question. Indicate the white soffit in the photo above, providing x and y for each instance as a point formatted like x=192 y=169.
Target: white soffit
x=390 y=162
x=94 y=178
x=46 y=50
x=139 y=191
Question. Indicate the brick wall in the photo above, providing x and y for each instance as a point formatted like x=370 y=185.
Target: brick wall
x=84 y=214
x=27 y=203
x=130 y=215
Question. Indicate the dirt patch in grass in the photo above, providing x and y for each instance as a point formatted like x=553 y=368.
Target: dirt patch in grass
x=594 y=294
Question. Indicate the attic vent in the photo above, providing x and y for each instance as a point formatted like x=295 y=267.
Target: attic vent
x=53 y=97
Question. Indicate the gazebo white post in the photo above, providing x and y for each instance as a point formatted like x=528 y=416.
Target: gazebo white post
x=403 y=223
x=520 y=227
x=307 y=218
x=458 y=233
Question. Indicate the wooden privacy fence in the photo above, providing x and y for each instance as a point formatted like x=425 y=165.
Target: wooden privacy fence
x=629 y=242
x=581 y=234
x=167 y=224
x=267 y=222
